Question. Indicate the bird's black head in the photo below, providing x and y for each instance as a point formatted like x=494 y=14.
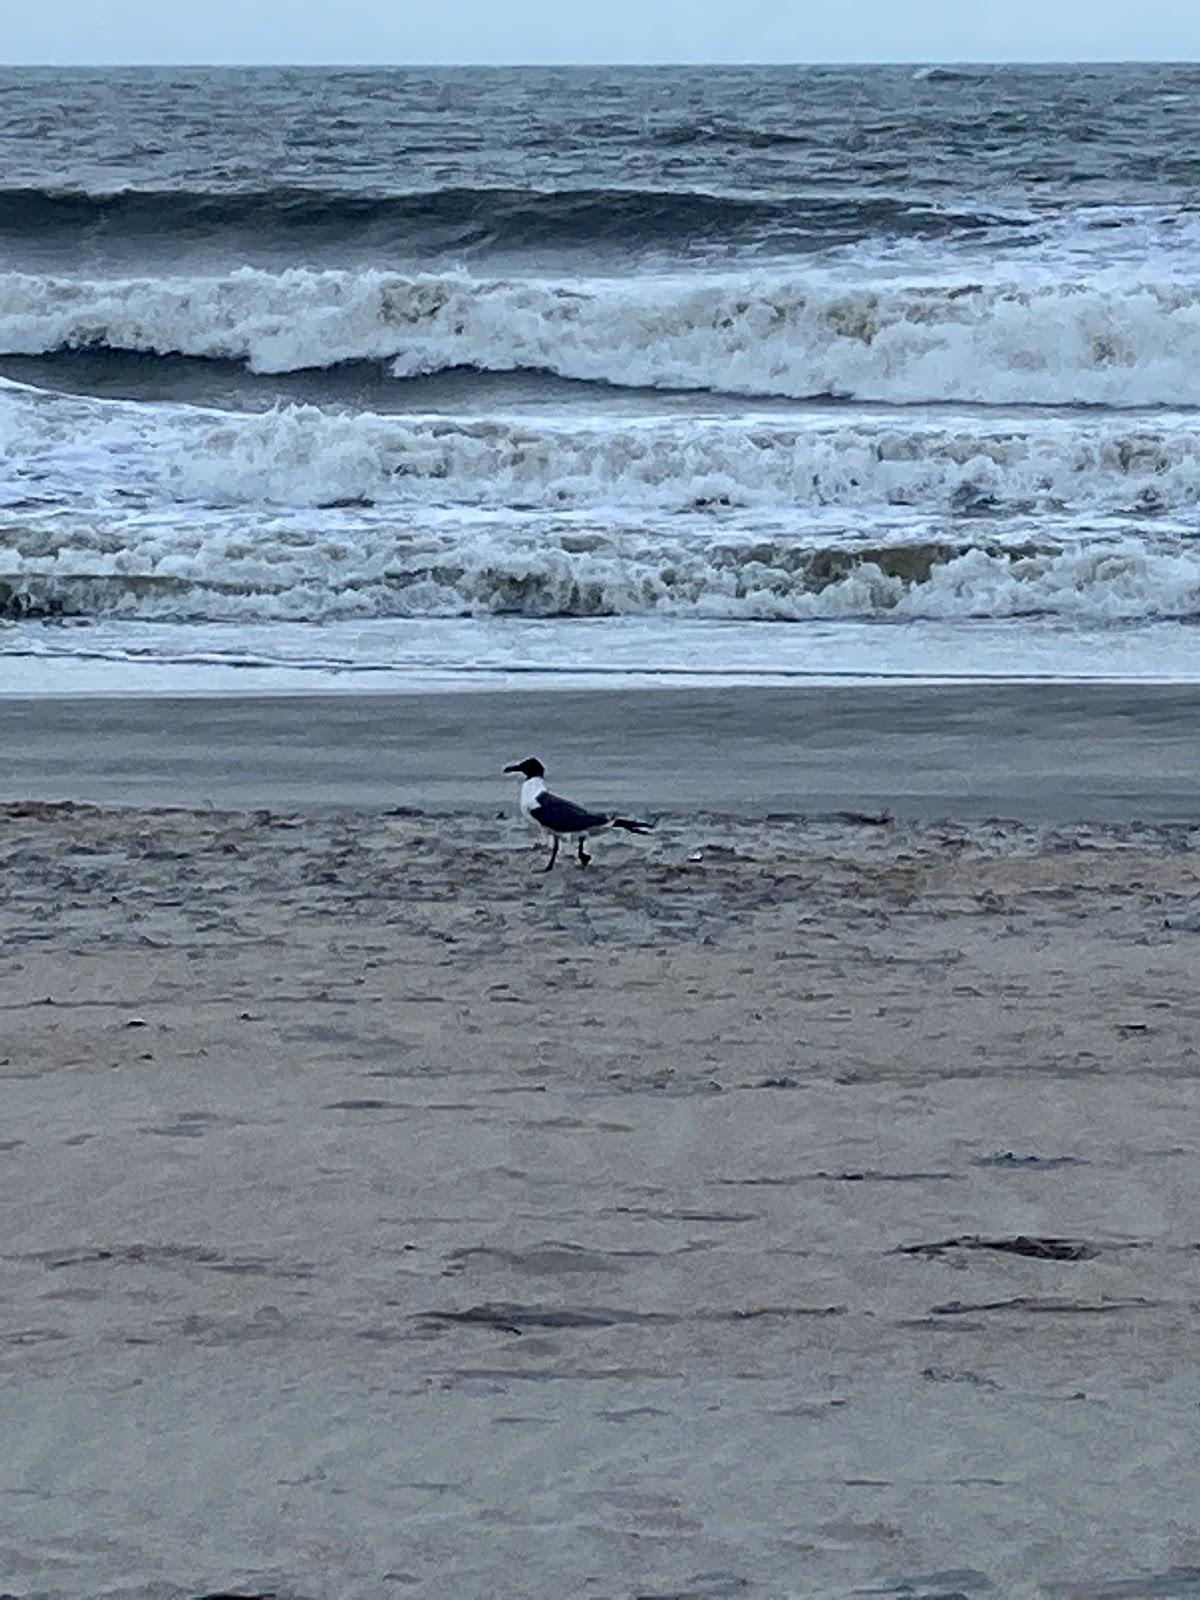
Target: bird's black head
x=532 y=768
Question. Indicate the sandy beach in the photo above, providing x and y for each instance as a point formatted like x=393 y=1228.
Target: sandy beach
x=793 y=1204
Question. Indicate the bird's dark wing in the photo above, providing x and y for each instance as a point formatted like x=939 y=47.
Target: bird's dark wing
x=563 y=816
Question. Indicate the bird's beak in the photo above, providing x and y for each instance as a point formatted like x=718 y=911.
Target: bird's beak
x=516 y=767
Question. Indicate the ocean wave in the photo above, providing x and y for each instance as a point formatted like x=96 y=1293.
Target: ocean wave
x=87 y=451
x=286 y=572
x=464 y=218
x=300 y=455
x=952 y=75
x=1126 y=344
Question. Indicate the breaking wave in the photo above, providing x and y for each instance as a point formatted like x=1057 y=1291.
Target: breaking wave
x=172 y=512
x=307 y=456
x=1128 y=345
x=363 y=568
x=951 y=75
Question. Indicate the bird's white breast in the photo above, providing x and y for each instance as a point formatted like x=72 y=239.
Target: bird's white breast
x=532 y=791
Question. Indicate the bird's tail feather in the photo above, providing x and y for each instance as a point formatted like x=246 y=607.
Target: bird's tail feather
x=633 y=825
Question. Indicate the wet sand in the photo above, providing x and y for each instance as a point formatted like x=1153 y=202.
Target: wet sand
x=1044 y=752
x=781 y=1207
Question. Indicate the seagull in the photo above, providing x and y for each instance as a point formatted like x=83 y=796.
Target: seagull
x=561 y=817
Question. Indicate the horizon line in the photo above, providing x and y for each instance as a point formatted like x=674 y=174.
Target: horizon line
x=581 y=66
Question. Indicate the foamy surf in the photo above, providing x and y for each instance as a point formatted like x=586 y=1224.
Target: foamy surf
x=1132 y=343
x=179 y=512
x=957 y=464
x=350 y=565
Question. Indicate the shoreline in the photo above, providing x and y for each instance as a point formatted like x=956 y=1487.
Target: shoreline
x=1044 y=752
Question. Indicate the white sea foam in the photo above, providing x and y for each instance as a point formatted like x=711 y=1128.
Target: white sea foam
x=89 y=451
x=123 y=509
x=301 y=455
x=1122 y=342
x=220 y=566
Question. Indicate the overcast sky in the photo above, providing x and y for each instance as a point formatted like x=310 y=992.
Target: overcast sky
x=447 y=31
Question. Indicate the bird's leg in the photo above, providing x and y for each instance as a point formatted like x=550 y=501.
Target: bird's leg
x=549 y=867
x=584 y=858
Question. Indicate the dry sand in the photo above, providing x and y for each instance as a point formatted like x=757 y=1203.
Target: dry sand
x=793 y=1207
